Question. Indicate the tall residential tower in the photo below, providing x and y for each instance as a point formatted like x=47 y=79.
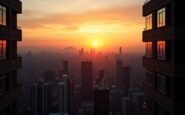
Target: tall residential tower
x=9 y=60
x=165 y=57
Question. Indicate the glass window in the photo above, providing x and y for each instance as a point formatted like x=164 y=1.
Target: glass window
x=148 y=52
x=2 y=49
x=2 y=15
x=148 y=22
x=161 y=83
x=161 y=50
x=161 y=17
x=150 y=77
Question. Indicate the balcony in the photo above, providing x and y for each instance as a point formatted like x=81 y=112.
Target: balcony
x=10 y=97
x=10 y=34
x=158 y=66
x=153 y=5
x=159 y=98
x=14 y=4
x=163 y=33
x=9 y=65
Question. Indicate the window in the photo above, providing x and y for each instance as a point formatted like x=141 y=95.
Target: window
x=161 y=17
x=161 y=84
x=2 y=15
x=148 y=22
x=148 y=52
x=150 y=78
x=2 y=49
x=2 y=85
x=161 y=50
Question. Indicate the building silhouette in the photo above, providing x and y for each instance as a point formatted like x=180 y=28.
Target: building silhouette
x=10 y=62
x=164 y=58
x=101 y=101
x=126 y=80
x=119 y=74
x=40 y=98
x=87 y=87
x=65 y=67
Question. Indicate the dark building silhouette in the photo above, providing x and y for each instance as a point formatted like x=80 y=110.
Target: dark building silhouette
x=100 y=77
x=164 y=59
x=119 y=74
x=87 y=87
x=101 y=102
x=65 y=67
x=87 y=81
x=9 y=60
x=126 y=79
x=40 y=98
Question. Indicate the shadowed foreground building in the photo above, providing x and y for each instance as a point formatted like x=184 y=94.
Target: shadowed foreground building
x=9 y=61
x=165 y=57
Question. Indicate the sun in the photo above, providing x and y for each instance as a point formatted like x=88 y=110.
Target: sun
x=95 y=44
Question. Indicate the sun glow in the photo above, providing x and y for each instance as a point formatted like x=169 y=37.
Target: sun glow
x=95 y=44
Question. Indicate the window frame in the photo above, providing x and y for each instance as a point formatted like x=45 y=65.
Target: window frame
x=148 y=22
x=161 y=50
x=3 y=49
x=161 y=17
x=3 y=15
x=161 y=83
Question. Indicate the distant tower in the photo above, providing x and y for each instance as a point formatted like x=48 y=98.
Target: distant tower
x=126 y=79
x=40 y=96
x=101 y=102
x=120 y=51
x=100 y=77
x=65 y=67
x=119 y=73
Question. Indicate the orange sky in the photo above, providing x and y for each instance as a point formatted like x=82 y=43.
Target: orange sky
x=66 y=23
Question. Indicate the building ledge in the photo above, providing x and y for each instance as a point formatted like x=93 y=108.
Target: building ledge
x=10 y=34
x=14 y=4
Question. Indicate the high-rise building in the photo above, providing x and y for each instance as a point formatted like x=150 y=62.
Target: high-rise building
x=87 y=87
x=164 y=59
x=9 y=60
x=87 y=81
x=100 y=77
x=40 y=98
x=65 y=94
x=101 y=102
x=126 y=80
x=65 y=67
x=119 y=74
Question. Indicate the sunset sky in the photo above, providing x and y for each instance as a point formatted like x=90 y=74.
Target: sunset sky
x=81 y=23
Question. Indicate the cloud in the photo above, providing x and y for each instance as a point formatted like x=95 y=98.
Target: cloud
x=125 y=16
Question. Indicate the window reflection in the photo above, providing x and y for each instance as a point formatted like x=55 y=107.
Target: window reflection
x=161 y=17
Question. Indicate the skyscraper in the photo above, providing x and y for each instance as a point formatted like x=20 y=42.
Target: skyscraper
x=87 y=81
x=87 y=87
x=9 y=60
x=65 y=67
x=119 y=74
x=164 y=59
x=65 y=94
x=40 y=98
x=126 y=79
x=101 y=102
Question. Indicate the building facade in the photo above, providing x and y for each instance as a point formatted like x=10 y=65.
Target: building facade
x=10 y=62
x=164 y=58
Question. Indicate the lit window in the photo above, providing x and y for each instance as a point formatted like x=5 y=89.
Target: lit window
x=148 y=49
x=2 y=49
x=148 y=22
x=2 y=15
x=161 y=50
x=161 y=83
x=161 y=17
